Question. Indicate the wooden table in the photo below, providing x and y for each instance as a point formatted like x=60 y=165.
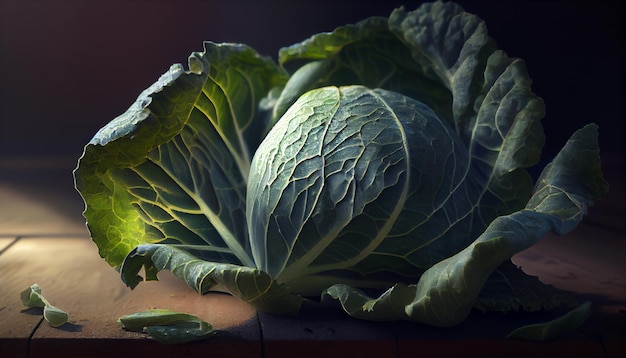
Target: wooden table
x=43 y=239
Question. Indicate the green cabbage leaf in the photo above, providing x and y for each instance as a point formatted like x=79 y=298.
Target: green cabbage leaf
x=382 y=165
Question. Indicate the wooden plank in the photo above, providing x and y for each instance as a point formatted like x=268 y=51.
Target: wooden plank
x=74 y=278
x=16 y=324
x=5 y=242
x=589 y=261
x=483 y=335
x=325 y=331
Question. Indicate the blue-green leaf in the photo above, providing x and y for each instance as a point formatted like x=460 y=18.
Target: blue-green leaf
x=366 y=53
x=167 y=326
x=448 y=290
x=510 y=289
x=348 y=171
x=246 y=283
x=173 y=168
x=555 y=328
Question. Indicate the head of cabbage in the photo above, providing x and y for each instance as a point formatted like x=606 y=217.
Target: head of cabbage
x=387 y=156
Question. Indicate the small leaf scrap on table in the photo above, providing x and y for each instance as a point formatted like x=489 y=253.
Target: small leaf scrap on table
x=168 y=327
x=390 y=155
x=32 y=298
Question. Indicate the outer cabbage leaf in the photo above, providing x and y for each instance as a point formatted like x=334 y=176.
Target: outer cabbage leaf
x=173 y=168
x=451 y=46
x=366 y=53
x=448 y=290
x=510 y=289
x=555 y=328
x=246 y=283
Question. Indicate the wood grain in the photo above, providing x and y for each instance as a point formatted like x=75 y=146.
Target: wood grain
x=74 y=278
x=43 y=239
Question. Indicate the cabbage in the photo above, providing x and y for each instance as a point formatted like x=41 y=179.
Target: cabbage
x=382 y=165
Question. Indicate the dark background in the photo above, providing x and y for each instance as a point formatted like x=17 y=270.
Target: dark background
x=67 y=67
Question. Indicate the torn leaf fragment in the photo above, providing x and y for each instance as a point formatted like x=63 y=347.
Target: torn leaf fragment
x=168 y=327
x=32 y=297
